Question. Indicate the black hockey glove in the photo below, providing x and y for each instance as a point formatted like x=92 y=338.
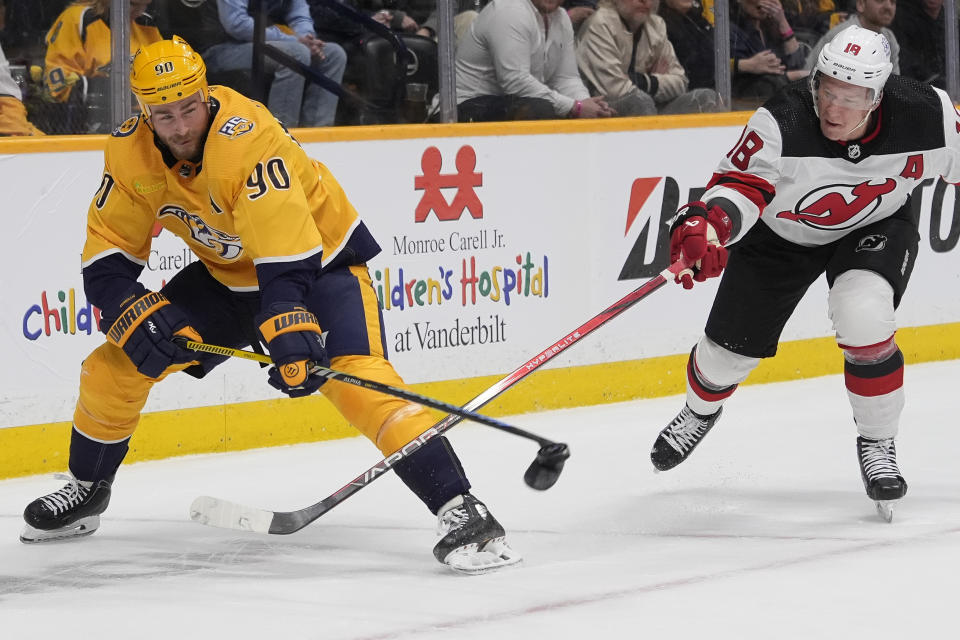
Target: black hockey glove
x=145 y=326
x=296 y=342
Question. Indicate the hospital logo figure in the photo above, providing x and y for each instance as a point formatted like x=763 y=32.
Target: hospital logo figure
x=464 y=180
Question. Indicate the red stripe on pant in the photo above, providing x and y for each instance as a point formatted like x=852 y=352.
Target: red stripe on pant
x=707 y=395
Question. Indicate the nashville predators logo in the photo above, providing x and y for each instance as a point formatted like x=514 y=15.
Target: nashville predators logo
x=235 y=127
x=228 y=247
x=839 y=206
x=127 y=127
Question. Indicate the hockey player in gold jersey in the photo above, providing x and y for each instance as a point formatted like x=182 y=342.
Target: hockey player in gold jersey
x=282 y=256
x=78 y=44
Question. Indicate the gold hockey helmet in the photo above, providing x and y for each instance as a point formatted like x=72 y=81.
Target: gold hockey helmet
x=166 y=71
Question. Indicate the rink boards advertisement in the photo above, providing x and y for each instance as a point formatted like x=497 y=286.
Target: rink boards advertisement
x=493 y=247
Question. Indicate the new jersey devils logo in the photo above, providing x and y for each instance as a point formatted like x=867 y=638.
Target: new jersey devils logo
x=839 y=206
x=227 y=246
x=872 y=242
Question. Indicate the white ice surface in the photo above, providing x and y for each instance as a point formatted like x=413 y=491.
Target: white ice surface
x=764 y=533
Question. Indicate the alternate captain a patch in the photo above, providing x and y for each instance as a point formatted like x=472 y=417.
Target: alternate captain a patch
x=235 y=127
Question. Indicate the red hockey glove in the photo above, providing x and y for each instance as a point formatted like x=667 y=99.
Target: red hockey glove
x=698 y=234
x=296 y=342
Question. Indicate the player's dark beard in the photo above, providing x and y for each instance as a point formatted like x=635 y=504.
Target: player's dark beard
x=169 y=158
x=175 y=148
x=184 y=152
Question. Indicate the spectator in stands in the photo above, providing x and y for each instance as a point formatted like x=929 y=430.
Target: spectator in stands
x=404 y=16
x=624 y=55
x=691 y=35
x=291 y=30
x=760 y=27
x=692 y=38
x=25 y=25
x=810 y=19
x=78 y=49
x=331 y=26
x=466 y=12
x=196 y=21
x=579 y=11
x=13 y=115
x=876 y=15
x=919 y=25
x=517 y=62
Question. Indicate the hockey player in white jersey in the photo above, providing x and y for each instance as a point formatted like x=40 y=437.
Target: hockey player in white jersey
x=819 y=182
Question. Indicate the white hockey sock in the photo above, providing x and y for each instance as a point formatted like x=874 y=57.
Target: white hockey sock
x=713 y=374
x=875 y=390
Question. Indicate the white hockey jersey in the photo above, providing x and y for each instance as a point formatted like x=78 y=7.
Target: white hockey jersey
x=813 y=191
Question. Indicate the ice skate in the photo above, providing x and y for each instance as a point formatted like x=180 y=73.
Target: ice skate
x=681 y=437
x=473 y=541
x=881 y=476
x=72 y=512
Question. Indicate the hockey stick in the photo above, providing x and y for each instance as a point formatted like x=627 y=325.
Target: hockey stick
x=332 y=374
x=229 y=515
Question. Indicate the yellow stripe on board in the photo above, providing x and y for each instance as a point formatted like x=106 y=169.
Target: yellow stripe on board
x=50 y=144
x=44 y=448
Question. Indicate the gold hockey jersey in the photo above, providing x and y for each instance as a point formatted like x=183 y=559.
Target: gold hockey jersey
x=254 y=208
x=78 y=44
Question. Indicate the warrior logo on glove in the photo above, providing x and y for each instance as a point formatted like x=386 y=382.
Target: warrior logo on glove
x=145 y=326
x=134 y=315
x=294 y=373
x=295 y=340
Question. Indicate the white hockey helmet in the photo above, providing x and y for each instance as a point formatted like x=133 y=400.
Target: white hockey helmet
x=856 y=56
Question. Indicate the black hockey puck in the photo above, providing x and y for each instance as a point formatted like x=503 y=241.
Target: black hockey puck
x=544 y=471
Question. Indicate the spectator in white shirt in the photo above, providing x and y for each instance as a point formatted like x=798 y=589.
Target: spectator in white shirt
x=517 y=62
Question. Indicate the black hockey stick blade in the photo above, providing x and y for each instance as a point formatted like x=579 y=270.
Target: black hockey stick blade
x=545 y=469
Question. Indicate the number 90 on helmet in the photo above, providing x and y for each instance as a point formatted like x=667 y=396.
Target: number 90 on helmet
x=166 y=71
x=855 y=56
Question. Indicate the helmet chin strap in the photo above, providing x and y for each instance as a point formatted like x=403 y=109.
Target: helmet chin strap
x=846 y=136
x=858 y=125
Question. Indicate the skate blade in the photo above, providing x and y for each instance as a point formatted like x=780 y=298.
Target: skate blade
x=495 y=555
x=79 y=529
x=885 y=509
